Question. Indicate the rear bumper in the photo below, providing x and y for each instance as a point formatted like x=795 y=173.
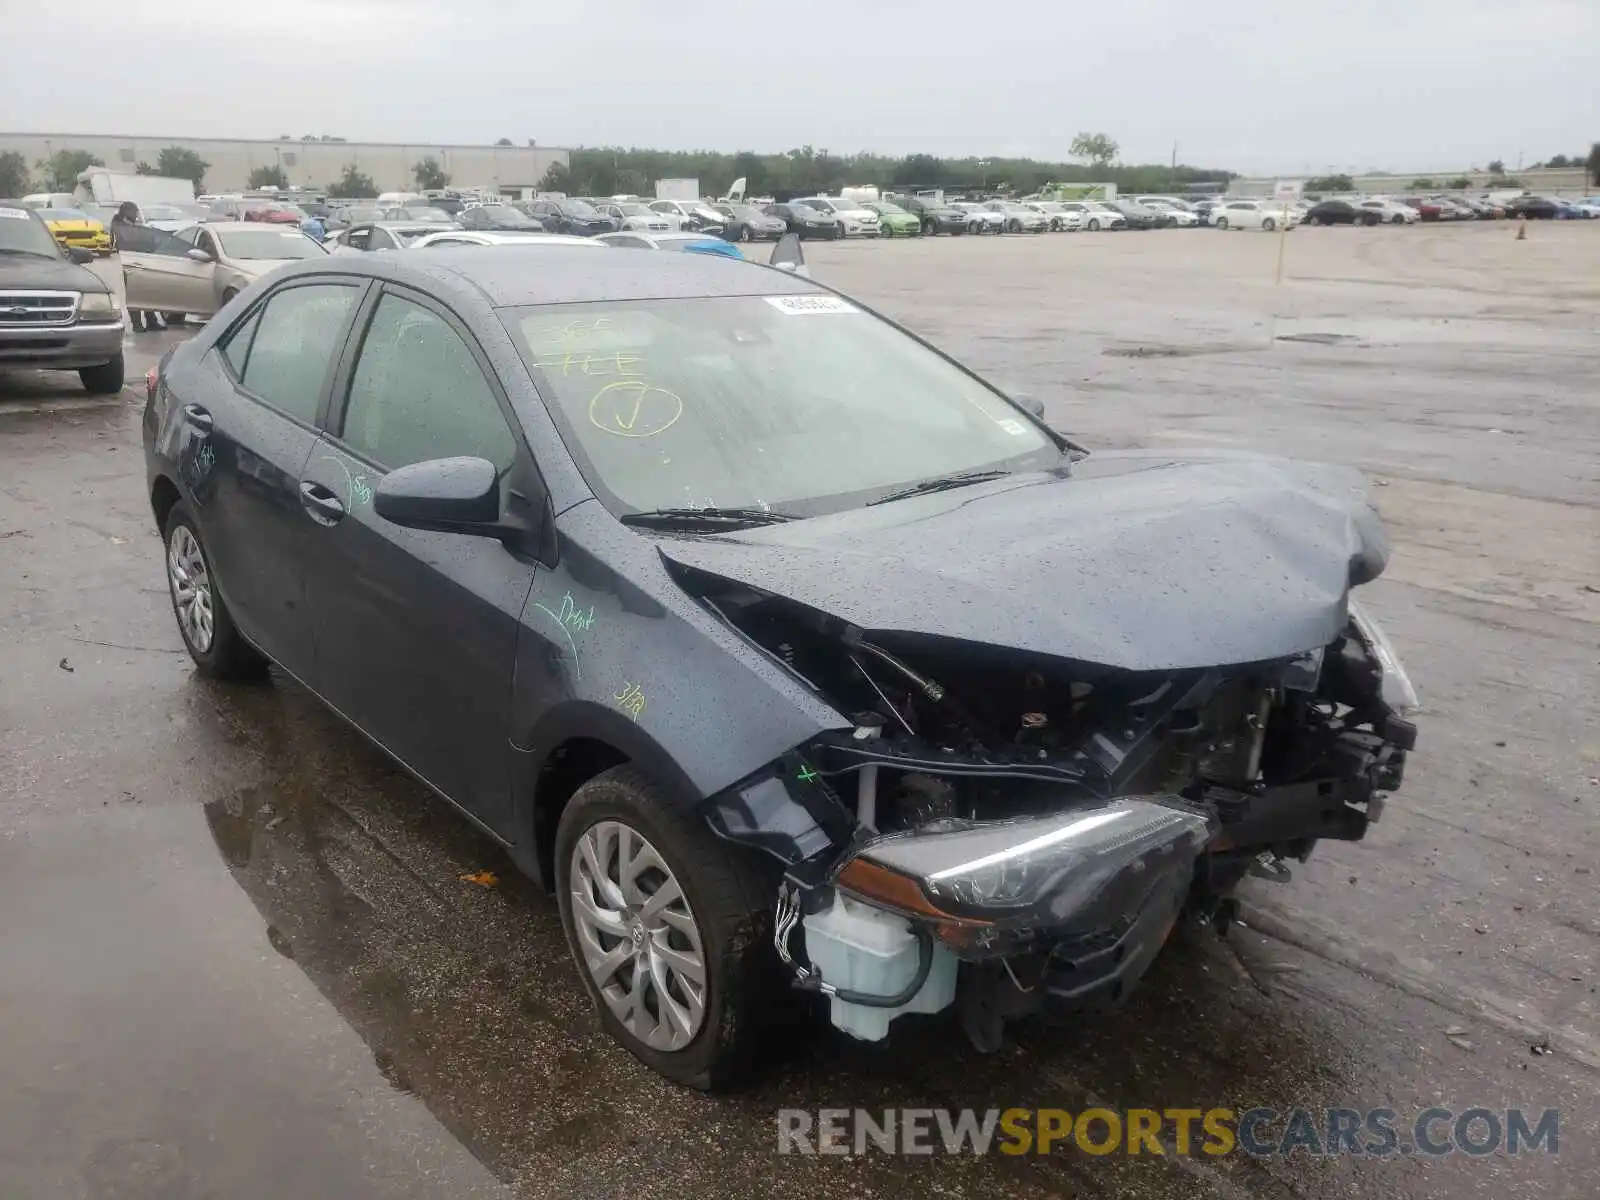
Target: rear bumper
x=67 y=348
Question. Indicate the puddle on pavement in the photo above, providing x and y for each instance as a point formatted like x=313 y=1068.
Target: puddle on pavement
x=467 y=999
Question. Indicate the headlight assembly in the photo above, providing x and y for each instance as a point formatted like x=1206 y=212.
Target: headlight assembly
x=1396 y=687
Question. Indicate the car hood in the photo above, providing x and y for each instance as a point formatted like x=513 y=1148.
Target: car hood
x=260 y=266
x=1138 y=561
x=47 y=274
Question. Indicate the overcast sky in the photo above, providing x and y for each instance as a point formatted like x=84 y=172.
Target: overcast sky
x=1253 y=86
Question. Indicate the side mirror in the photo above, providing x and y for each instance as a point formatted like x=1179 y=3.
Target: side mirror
x=787 y=256
x=448 y=495
x=80 y=255
x=198 y=255
x=1028 y=402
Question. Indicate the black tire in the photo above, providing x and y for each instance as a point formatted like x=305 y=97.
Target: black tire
x=744 y=233
x=1397 y=219
x=732 y=905
x=1094 y=224
x=174 y=318
x=227 y=297
x=930 y=229
x=1268 y=224
x=838 y=233
x=229 y=656
x=104 y=380
x=1013 y=226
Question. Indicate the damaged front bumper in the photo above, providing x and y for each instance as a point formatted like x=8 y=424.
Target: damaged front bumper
x=1070 y=909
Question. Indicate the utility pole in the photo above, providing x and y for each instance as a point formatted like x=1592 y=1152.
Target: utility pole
x=1172 y=176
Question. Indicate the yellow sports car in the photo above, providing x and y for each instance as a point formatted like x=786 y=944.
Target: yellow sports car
x=73 y=227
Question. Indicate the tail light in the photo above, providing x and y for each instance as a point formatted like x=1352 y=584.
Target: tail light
x=151 y=381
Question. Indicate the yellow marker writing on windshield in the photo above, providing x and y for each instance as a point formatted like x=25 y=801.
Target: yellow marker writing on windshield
x=634 y=408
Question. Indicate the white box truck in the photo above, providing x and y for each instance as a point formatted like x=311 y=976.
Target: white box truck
x=677 y=189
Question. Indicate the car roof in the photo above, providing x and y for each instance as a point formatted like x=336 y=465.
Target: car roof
x=511 y=275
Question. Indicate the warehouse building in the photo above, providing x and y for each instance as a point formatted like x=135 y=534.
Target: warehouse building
x=307 y=163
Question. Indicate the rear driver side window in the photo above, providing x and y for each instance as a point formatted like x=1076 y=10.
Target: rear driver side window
x=418 y=393
x=297 y=335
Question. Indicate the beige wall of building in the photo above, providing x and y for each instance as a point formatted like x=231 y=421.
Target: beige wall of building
x=307 y=164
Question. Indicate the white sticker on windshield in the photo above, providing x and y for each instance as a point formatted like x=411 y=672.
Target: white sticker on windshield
x=797 y=306
x=1015 y=428
x=15 y=213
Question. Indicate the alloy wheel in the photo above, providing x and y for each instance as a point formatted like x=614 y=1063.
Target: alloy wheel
x=191 y=589
x=638 y=936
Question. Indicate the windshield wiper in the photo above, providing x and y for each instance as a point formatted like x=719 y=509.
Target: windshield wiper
x=942 y=483
x=679 y=518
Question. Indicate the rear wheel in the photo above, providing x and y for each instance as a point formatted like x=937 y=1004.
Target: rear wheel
x=218 y=649
x=104 y=380
x=1268 y=224
x=1397 y=219
x=1013 y=226
x=929 y=229
x=670 y=928
x=744 y=233
x=1094 y=224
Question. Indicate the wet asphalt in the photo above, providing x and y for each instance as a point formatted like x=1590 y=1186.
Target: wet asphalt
x=238 y=957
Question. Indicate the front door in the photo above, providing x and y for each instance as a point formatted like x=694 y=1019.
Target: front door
x=269 y=377
x=417 y=630
x=160 y=275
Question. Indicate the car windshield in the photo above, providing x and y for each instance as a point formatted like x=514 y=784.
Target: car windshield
x=748 y=212
x=577 y=208
x=889 y=210
x=21 y=233
x=354 y=214
x=504 y=217
x=636 y=210
x=63 y=214
x=424 y=212
x=268 y=244
x=804 y=403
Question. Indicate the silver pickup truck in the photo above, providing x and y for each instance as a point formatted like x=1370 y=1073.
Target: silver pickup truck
x=55 y=314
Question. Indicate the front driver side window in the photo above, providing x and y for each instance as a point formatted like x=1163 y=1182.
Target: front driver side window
x=380 y=240
x=417 y=393
x=207 y=243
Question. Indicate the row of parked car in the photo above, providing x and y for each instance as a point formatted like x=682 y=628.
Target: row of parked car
x=1455 y=207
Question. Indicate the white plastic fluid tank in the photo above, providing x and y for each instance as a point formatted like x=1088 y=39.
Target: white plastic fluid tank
x=864 y=949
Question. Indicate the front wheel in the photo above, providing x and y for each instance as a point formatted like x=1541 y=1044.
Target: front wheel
x=744 y=233
x=930 y=229
x=104 y=380
x=207 y=629
x=669 y=928
x=1222 y=222
x=1013 y=226
x=1269 y=224
x=1397 y=219
x=1094 y=225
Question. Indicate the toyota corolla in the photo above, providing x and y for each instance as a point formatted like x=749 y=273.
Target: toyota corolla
x=800 y=662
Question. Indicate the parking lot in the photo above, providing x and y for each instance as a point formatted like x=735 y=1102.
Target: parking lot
x=239 y=957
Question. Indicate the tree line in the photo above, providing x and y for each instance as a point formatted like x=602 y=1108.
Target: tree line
x=612 y=170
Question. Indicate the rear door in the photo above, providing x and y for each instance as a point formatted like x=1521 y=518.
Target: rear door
x=417 y=630
x=159 y=273
x=271 y=374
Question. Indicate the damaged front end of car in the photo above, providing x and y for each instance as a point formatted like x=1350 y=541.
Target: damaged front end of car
x=1002 y=830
